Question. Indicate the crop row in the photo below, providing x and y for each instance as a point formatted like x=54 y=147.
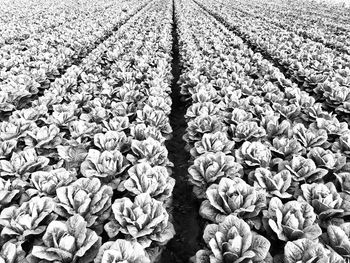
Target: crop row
x=334 y=13
x=266 y=161
x=20 y=19
x=321 y=71
x=319 y=29
x=30 y=66
x=84 y=174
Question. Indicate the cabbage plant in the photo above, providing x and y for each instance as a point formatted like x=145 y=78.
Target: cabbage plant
x=292 y=220
x=112 y=140
x=123 y=108
x=344 y=181
x=306 y=250
x=338 y=238
x=159 y=103
x=46 y=137
x=63 y=114
x=289 y=111
x=31 y=218
x=342 y=144
x=72 y=154
x=202 y=125
x=155 y=118
x=204 y=95
x=275 y=184
x=96 y=115
x=144 y=220
x=209 y=168
x=202 y=109
x=303 y=169
x=15 y=129
x=46 y=182
x=150 y=151
x=332 y=126
x=285 y=148
x=22 y=164
x=108 y=166
x=83 y=129
x=232 y=196
x=141 y=132
x=213 y=142
x=232 y=241
x=117 y=123
x=12 y=192
x=66 y=242
x=6 y=101
x=254 y=154
x=239 y=116
x=324 y=198
x=275 y=128
x=12 y=253
x=6 y=148
x=309 y=138
x=122 y=251
x=247 y=131
x=86 y=197
x=327 y=159
x=156 y=181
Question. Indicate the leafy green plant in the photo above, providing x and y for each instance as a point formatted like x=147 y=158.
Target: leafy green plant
x=292 y=220
x=233 y=197
x=64 y=242
x=86 y=197
x=209 y=168
x=121 y=251
x=144 y=220
x=232 y=241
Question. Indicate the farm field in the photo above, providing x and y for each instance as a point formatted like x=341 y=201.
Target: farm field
x=170 y=131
